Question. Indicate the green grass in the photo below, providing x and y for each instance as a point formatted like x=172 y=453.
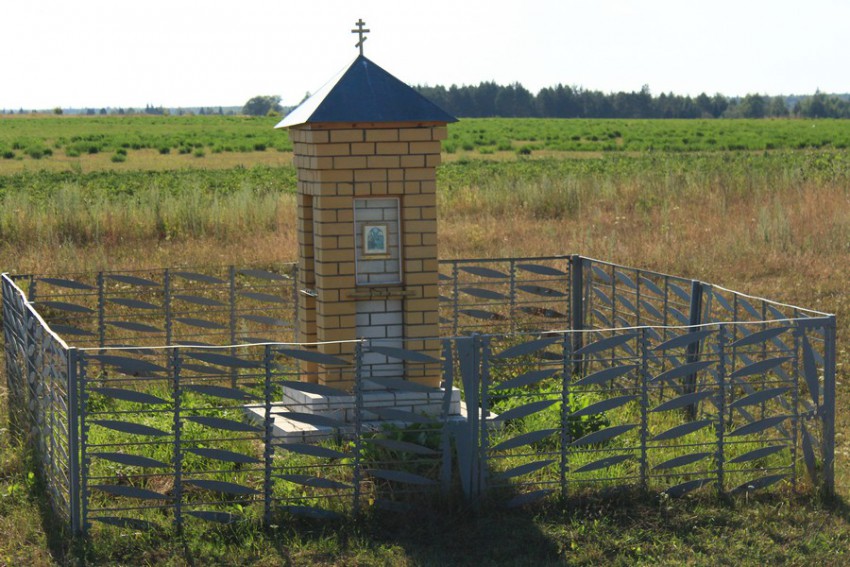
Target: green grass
x=45 y=137
x=82 y=135
x=561 y=135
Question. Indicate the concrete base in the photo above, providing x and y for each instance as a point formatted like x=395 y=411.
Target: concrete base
x=342 y=409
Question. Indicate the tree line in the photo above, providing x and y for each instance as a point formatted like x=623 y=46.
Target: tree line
x=489 y=99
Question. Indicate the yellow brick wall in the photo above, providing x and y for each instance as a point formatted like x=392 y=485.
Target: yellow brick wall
x=337 y=163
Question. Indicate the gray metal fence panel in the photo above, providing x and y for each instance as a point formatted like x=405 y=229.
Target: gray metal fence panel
x=574 y=374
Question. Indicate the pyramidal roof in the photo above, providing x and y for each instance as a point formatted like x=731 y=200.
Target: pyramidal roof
x=364 y=92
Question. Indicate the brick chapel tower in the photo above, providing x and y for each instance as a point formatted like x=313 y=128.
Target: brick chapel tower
x=366 y=147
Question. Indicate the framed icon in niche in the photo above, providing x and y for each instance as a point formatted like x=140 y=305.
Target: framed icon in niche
x=375 y=239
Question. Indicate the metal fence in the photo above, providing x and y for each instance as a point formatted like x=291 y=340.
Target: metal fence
x=573 y=374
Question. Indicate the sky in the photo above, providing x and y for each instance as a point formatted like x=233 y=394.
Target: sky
x=172 y=53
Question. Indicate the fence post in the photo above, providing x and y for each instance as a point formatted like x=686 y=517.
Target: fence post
x=720 y=426
x=445 y=412
x=483 y=372
x=467 y=438
x=828 y=410
x=577 y=306
x=566 y=408
x=643 y=342
x=268 y=436
x=178 y=431
x=73 y=442
x=694 y=320
x=358 y=432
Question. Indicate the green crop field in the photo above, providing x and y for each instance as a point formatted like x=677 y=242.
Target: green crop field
x=51 y=137
x=759 y=206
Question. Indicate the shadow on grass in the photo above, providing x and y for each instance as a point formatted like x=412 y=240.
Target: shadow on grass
x=613 y=525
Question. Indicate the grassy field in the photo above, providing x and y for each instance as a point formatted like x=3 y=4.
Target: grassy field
x=155 y=142
x=767 y=220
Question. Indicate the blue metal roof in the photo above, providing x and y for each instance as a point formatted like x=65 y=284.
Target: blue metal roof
x=364 y=92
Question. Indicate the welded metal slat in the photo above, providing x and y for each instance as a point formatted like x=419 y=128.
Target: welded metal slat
x=482 y=314
x=524 y=469
x=541 y=270
x=130 y=460
x=223 y=455
x=130 y=492
x=219 y=392
x=129 y=395
x=129 y=427
x=541 y=291
x=603 y=435
x=603 y=463
x=224 y=424
x=484 y=293
x=682 y=460
x=483 y=272
x=133 y=303
x=682 y=430
x=526 y=348
x=312 y=450
x=132 y=326
x=524 y=439
x=605 y=344
x=222 y=486
x=314 y=481
x=264 y=297
x=758 y=454
x=312 y=356
x=66 y=306
x=525 y=410
x=604 y=405
x=525 y=379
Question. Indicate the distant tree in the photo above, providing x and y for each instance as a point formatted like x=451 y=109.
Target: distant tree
x=102 y=112
x=261 y=105
x=703 y=102
x=514 y=100
x=57 y=110
x=777 y=107
x=820 y=105
x=753 y=106
x=90 y=112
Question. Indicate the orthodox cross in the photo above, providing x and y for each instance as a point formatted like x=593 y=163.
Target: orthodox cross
x=361 y=33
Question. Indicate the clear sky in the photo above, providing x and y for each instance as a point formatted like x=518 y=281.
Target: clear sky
x=129 y=53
